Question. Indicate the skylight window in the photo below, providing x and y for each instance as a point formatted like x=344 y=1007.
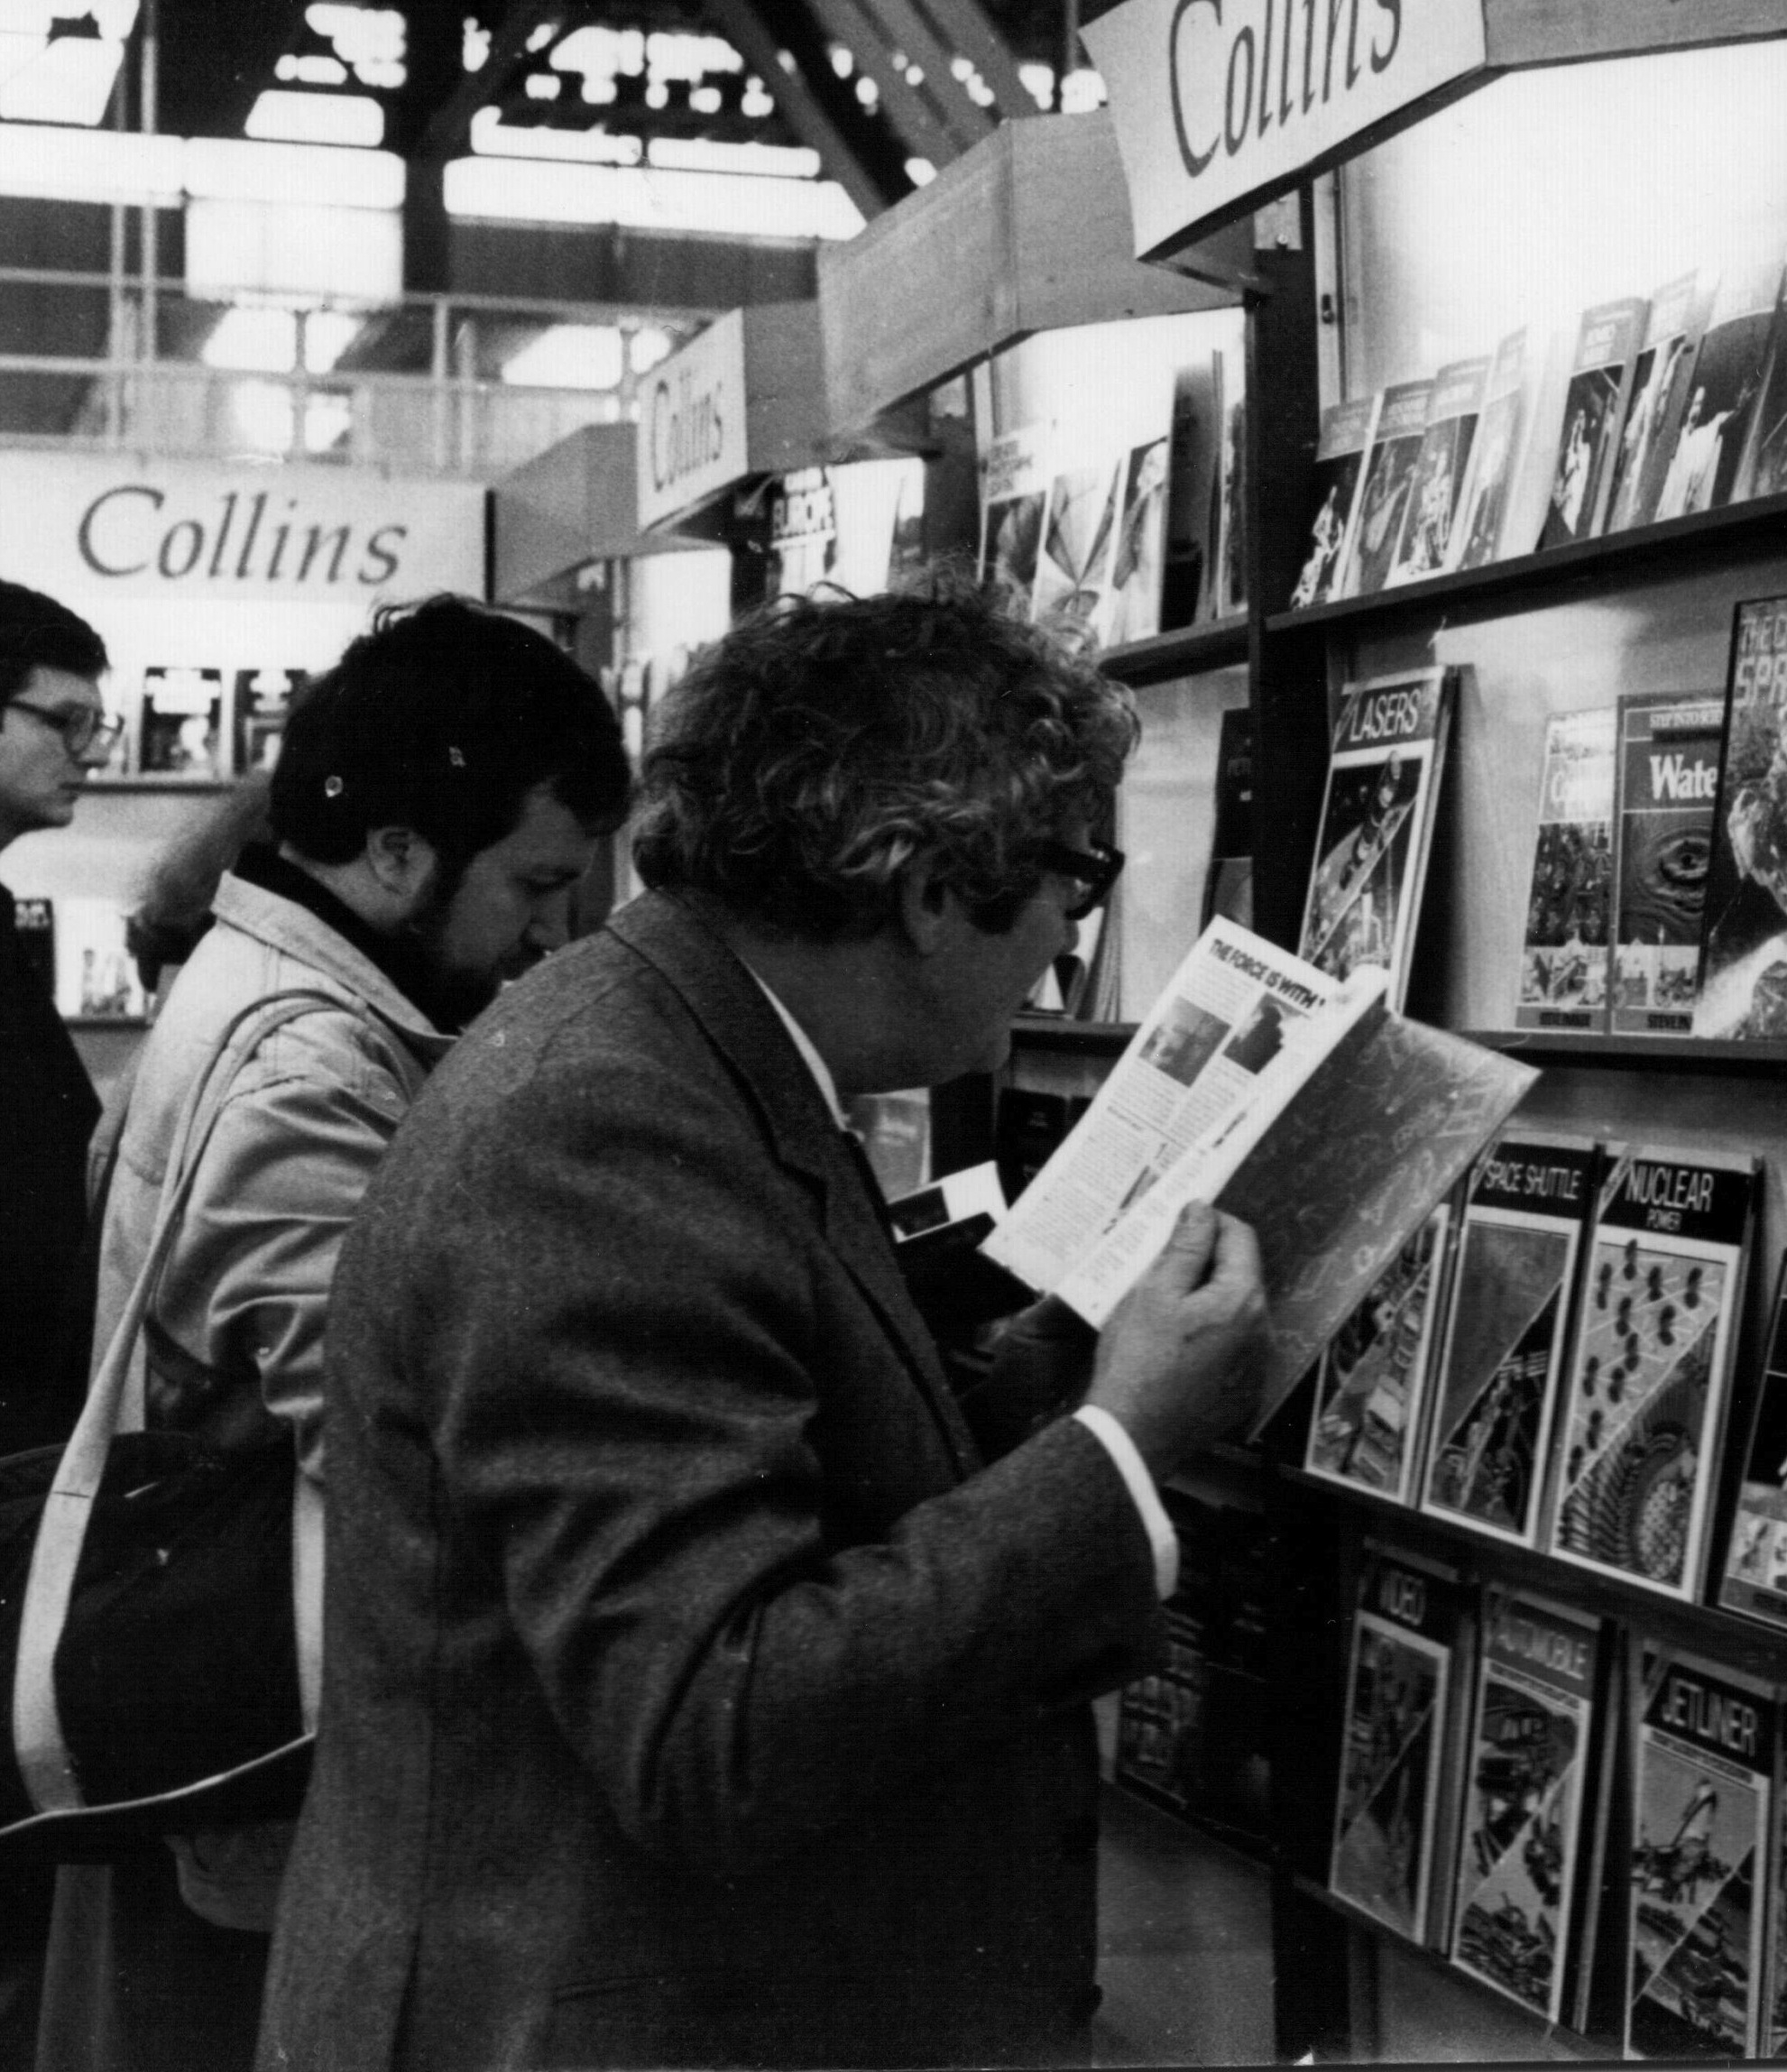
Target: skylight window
x=58 y=60
x=352 y=119
x=569 y=356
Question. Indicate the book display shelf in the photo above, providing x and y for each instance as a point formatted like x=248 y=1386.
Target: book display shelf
x=1550 y=193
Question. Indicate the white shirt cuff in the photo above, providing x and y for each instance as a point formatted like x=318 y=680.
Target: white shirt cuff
x=1128 y=1463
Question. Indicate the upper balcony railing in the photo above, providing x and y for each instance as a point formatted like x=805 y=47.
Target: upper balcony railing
x=431 y=384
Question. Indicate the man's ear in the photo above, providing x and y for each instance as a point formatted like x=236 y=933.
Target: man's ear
x=403 y=863
x=927 y=909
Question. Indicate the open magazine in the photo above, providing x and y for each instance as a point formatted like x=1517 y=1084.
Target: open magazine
x=1295 y=1100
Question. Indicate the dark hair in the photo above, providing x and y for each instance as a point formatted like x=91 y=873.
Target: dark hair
x=826 y=742
x=443 y=718
x=36 y=632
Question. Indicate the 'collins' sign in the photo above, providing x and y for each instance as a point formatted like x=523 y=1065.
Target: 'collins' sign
x=692 y=422
x=1221 y=104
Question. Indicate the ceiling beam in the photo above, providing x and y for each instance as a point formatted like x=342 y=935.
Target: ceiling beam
x=961 y=24
x=855 y=27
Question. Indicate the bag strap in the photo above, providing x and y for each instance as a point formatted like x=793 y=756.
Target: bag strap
x=38 y=1738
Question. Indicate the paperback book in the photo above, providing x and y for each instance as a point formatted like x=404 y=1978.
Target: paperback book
x=1659 y=397
x=96 y=974
x=1497 y=450
x=1646 y=1408
x=1435 y=495
x=1722 y=396
x=1666 y=776
x=1564 y=959
x=1755 y=1561
x=1188 y=579
x=180 y=727
x=1530 y=1798
x=1762 y=466
x=1743 y=979
x=1408 y=1675
x=1703 y=1819
x=1228 y=885
x=1506 y=1339
x=1371 y=1381
x=1345 y=434
x=1376 y=830
x=1386 y=491
x=1297 y=1102
x=1594 y=411
x=1231 y=541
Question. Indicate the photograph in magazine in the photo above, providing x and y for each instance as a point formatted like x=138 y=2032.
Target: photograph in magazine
x=1014 y=492
x=1565 y=955
x=1755 y=1561
x=1389 y=1774
x=1075 y=566
x=1666 y=778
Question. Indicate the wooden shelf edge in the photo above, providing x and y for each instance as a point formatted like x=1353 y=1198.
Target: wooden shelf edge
x=1056 y=1032
x=1611 y=557
x=1627 y=1053
x=1214 y=644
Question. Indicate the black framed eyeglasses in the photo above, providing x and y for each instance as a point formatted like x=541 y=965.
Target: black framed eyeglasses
x=1098 y=869
x=80 y=726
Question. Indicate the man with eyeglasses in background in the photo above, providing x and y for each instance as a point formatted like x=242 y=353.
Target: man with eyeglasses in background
x=54 y=729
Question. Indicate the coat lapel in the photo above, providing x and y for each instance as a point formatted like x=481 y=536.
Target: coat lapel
x=742 y=1026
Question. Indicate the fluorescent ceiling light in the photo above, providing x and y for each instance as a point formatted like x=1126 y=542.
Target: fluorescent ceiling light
x=253 y=341
x=228 y=168
x=66 y=81
x=492 y=137
x=90 y=165
x=315 y=118
x=569 y=356
x=327 y=335
x=293 y=251
x=312 y=70
x=720 y=204
x=704 y=154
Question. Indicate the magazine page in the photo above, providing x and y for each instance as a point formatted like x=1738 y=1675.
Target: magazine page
x=1564 y=962
x=1755 y=1561
x=1371 y=1380
x=1701 y=1831
x=1378 y=815
x=1507 y=1333
x=1742 y=988
x=1666 y=776
x=1644 y=1409
x=1539 y=1692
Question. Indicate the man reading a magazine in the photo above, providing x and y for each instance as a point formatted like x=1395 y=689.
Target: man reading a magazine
x=702 y=1690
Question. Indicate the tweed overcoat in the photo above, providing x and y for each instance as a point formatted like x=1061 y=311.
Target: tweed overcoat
x=693 y=1692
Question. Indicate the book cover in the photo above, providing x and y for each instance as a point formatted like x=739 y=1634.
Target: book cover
x=1608 y=341
x=1378 y=814
x=96 y=974
x=1754 y=1581
x=1665 y=780
x=1079 y=536
x=1762 y=466
x=1541 y=1695
x=1703 y=1818
x=1133 y=609
x=1424 y=547
x=1496 y=451
x=1723 y=391
x=1650 y=1372
x=1564 y=963
x=1388 y=482
x=259 y=708
x=1659 y=396
x=1406 y=1671
x=1188 y=578
x=1743 y=979
x=1339 y=471
x=1228 y=885
x=34 y=931
x=180 y=728
x=1232 y=551
x=1507 y=1333
x=1371 y=1381
x=1014 y=497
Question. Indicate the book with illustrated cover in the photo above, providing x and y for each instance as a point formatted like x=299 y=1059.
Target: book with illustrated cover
x=1755 y=1559
x=96 y=974
x=1014 y=498
x=1476 y=530
x=1601 y=374
x=1435 y=495
x=1704 y=1821
x=1228 y=885
x=1387 y=486
x=1644 y=1410
x=1762 y=466
x=34 y=931
x=259 y=709
x=1530 y=1796
x=1188 y=577
x=1659 y=396
x=1724 y=388
x=1079 y=535
x=1743 y=979
x=1132 y=611
x=1298 y=1102
x=1231 y=545
x=1565 y=961
x=1371 y=1381
x=1345 y=435
x=1408 y=1677
x=1507 y=1333
x=179 y=724
x=1378 y=815
x=1666 y=776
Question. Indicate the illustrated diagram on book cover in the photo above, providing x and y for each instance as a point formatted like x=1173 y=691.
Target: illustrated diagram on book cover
x=1390 y=1766
x=1743 y=984
x=1376 y=825
x=1699 y=1852
x=1646 y=1400
x=1563 y=964
x=1371 y=1381
x=1756 y=1561
x=1667 y=775
x=1525 y=1799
